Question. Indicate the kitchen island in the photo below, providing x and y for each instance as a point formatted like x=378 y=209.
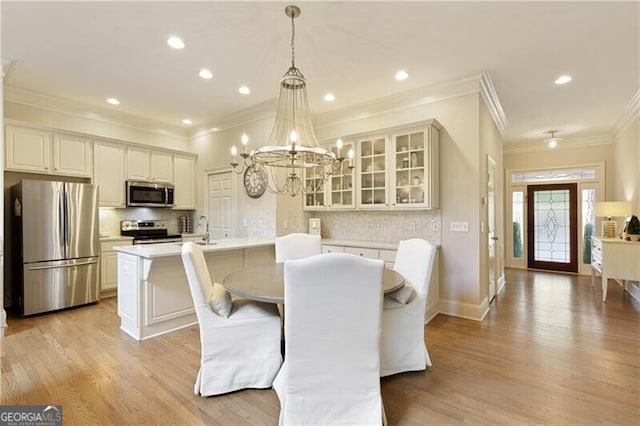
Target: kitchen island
x=153 y=292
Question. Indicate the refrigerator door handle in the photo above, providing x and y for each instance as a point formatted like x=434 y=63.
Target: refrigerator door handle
x=66 y=265
x=67 y=209
x=61 y=220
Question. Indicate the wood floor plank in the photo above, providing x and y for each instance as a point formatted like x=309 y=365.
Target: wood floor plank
x=549 y=351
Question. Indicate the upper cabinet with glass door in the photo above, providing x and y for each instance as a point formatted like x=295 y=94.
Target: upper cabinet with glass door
x=415 y=177
x=372 y=172
x=337 y=192
x=340 y=188
x=394 y=169
x=314 y=197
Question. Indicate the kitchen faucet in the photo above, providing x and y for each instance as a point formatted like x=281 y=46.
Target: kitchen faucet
x=205 y=237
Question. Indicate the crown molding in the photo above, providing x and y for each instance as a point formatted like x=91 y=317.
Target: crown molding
x=631 y=113
x=490 y=97
x=254 y=113
x=398 y=102
x=91 y=112
x=537 y=146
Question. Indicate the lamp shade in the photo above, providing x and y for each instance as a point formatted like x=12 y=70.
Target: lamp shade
x=613 y=209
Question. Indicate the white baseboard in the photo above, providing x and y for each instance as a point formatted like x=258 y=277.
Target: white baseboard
x=633 y=288
x=431 y=312
x=3 y=322
x=501 y=283
x=465 y=310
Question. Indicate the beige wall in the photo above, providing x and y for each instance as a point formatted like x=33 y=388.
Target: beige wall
x=459 y=188
x=625 y=183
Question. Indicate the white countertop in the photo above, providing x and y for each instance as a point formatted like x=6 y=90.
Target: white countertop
x=115 y=238
x=174 y=249
x=385 y=245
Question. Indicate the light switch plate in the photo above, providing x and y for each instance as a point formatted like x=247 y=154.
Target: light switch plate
x=459 y=226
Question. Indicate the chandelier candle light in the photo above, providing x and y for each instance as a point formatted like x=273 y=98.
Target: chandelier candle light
x=292 y=146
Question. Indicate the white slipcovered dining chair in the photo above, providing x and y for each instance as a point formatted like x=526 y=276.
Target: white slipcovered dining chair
x=332 y=341
x=297 y=246
x=240 y=339
x=403 y=315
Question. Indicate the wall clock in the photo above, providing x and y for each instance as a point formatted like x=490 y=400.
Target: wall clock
x=255 y=181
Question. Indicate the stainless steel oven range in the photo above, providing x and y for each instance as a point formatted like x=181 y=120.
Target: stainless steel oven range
x=148 y=231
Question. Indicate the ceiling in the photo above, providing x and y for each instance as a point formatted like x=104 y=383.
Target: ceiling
x=89 y=51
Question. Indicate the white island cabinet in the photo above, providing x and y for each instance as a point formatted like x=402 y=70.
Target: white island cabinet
x=153 y=292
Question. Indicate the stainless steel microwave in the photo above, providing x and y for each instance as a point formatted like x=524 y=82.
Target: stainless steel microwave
x=148 y=194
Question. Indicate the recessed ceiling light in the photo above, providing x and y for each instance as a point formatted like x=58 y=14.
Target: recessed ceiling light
x=187 y=121
x=205 y=73
x=563 y=79
x=401 y=75
x=329 y=97
x=175 y=42
x=244 y=90
x=113 y=101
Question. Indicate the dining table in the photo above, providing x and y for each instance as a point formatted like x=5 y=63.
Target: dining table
x=265 y=283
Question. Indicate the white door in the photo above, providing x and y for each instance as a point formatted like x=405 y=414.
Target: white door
x=220 y=205
x=491 y=227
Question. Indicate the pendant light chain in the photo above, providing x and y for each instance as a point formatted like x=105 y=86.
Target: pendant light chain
x=293 y=35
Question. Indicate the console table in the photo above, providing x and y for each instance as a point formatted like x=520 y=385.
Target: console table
x=614 y=258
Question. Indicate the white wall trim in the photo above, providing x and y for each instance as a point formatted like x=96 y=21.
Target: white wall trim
x=490 y=97
x=431 y=312
x=92 y=112
x=3 y=322
x=631 y=113
x=536 y=146
x=501 y=283
x=464 y=310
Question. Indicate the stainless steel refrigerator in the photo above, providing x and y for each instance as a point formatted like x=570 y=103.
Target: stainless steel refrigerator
x=56 y=245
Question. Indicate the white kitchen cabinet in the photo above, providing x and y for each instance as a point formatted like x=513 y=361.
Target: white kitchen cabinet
x=184 y=175
x=109 y=265
x=72 y=155
x=372 y=166
x=414 y=178
x=109 y=173
x=36 y=150
x=399 y=170
x=328 y=248
x=149 y=165
x=369 y=253
x=27 y=149
x=337 y=193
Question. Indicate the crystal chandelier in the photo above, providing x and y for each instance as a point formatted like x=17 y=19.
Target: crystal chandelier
x=292 y=147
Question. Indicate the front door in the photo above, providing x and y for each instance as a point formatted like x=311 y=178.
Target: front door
x=552 y=219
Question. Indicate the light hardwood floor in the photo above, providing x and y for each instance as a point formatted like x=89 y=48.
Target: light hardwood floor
x=548 y=352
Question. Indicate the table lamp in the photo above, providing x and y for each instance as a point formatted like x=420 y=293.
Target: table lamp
x=611 y=209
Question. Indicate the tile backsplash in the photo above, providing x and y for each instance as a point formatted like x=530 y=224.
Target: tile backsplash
x=380 y=225
x=110 y=218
